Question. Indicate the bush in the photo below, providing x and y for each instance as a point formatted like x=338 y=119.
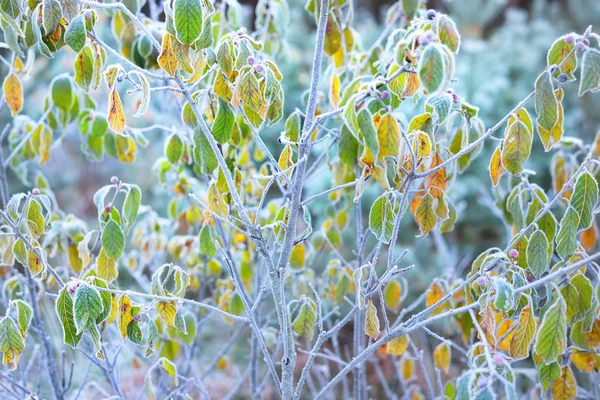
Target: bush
x=280 y=268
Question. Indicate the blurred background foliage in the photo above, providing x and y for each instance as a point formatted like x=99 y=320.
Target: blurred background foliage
x=504 y=47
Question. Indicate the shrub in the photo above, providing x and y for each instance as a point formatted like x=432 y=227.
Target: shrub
x=241 y=243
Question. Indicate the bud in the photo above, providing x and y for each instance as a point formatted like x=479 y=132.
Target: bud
x=498 y=359
x=562 y=78
x=114 y=180
x=385 y=95
x=72 y=286
x=107 y=208
x=553 y=69
x=530 y=278
x=39 y=20
x=514 y=253
x=137 y=317
x=580 y=46
x=424 y=40
x=570 y=39
x=260 y=69
x=87 y=14
x=430 y=14
x=251 y=60
x=35 y=192
x=481 y=281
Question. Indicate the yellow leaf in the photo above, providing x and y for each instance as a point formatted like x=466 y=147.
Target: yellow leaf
x=167 y=58
x=13 y=93
x=565 y=387
x=397 y=346
x=107 y=267
x=74 y=260
x=388 y=135
x=422 y=144
x=433 y=295
x=371 y=321
x=523 y=335
x=441 y=356
x=407 y=368
x=124 y=316
x=583 y=360
x=436 y=182
x=334 y=91
x=496 y=167
x=167 y=311
x=116 y=118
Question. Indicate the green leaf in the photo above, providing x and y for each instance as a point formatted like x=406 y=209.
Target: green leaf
x=558 y=53
x=51 y=15
x=87 y=307
x=585 y=290
x=174 y=148
x=64 y=310
x=113 y=240
x=105 y=296
x=207 y=243
x=571 y=296
x=305 y=320
x=333 y=36
x=11 y=8
x=432 y=68
x=551 y=340
x=347 y=147
x=204 y=155
x=24 y=315
x=447 y=32
x=546 y=104
x=566 y=239
x=11 y=342
x=367 y=128
x=223 y=124
x=537 y=253
x=590 y=72
x=381 y=218
x=425 y=214
x=62 y=92
x=188 y=20
x=505 y=294
x=84 y=69
x=584 y=199
x=75 y=35
x=517 y=147
x=131 y=206
x=134 y=333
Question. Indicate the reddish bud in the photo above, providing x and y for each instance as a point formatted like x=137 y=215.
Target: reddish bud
x=35 y=192
x=530 y=278
x=108 y=207
x=562 y=78
x=251 y=60
x=260 y=69
x=385 y=95
x=114 y=180
x=514 y=253
x=570 y=39
x=498 y=359
x=430 y=14
x=580 y=46
x=137 y=317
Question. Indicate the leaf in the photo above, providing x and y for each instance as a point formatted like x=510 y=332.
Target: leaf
x=167 y=59
x=517 y=147
x=84 y=69
x=224 y=121
x=333 y=36
x=590 y=72
x=566 y=238
x=523 y=335
x=565 y=387
x=371 y=321
x=11 y=8
x=381 y=218
x=398 y=345
x=584 y=199
x=585 y=291
x=437 y=181
x=116 y=117
x=546 y=104
x=170 y=368
x=571 y=296
x=76 y=34
x=174 y=148
x=51 y=16
x=64 y=310
x=388 y=136
x=425 y=215
x=505 y=294
x=537 y=253
x=187 y=19
x=167 y=311
x=552 y=336
x=367 y=128
x=124 y=316
x=558 y=53
x=131 y=205
x=13 y=93
x=62 y=93
x=113 y=240
x=447 y=32
x=441 y=356
x=134 y=333
x=496 y=166
x=432 y=68
x=107 y=267
x=24 y=315
x=11 y=342
x=207 y=243
x=87 y=307
x=304 y=322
